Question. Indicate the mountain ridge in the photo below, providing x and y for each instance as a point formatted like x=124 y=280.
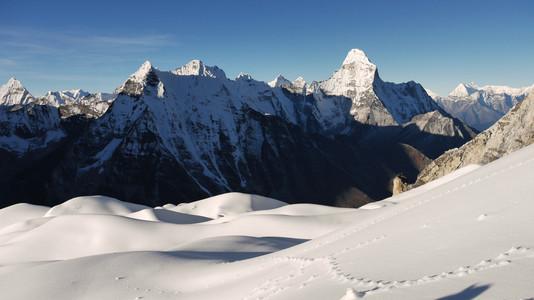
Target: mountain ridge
x=481 y=107
x=192 y=132
x=512 y=132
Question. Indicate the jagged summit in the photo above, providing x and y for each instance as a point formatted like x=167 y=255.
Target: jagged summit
x=135 y=84
x=12 y=84
x=279 y=81
x=356 y=74
x=13 y=93
x=300 y=82
x=374 y=101
x=243 y=76
x=198 y=68
x=62 y=97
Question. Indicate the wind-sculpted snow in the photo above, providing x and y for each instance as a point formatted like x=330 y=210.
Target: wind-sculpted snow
x=467 y=235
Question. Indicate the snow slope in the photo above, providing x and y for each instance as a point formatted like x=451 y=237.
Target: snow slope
x=466 y=235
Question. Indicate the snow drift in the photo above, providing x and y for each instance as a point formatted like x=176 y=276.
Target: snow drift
x=466 y=235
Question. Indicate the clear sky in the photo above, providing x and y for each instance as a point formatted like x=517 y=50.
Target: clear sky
x=96 y=45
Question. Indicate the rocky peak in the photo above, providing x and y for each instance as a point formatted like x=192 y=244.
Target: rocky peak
x=355 y=75
x=300 y=82
x=13 y=93
x=512 y=132
x=136 y=83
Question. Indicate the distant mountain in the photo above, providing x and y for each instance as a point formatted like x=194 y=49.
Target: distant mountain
x=181 y=135
x=14 y=93
x=481 y=107
x=279 y=81
x=512 y=132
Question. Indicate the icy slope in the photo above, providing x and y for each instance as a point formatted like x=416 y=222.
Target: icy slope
x=467 y=235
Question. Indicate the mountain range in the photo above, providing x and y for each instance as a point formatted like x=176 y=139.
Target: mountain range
x=512 y=132
x=185 y=134
x=480 y=107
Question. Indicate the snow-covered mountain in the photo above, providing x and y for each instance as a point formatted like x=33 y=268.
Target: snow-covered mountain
x=70 y=103
x=481 y=107
x=279 y=81
x=77 y=102
x=14 y=93
x=467 y=235
x=193 y=132
x=512 y=132
x=28 y=128
x=374 y=101
x=62 y=98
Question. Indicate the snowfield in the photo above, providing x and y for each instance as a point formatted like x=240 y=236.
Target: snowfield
x=469 y=234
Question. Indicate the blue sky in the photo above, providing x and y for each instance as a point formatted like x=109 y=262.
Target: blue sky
x=96 y=45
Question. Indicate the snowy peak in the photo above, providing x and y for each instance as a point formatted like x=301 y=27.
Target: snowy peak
x=481 y=107
x=197 y=68
x=142 y=73
x=374 y=101
x=13 y=83
x=62 y=98
x=13 y=93
x=136 y=83
x=468 y=89
x=300 y=83
x=356 y=56
x=355 y=75
x=243 y=76
x=75 y=94
x=464 y=90
x=279 y=81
